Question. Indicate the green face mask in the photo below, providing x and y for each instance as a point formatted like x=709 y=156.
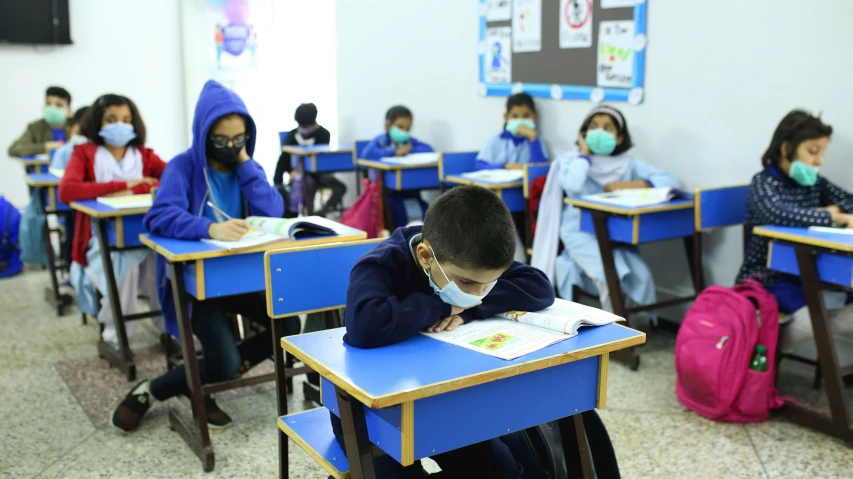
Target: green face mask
x=803 y=173
x=600 y=142
x=398 y=135
x=54 y=116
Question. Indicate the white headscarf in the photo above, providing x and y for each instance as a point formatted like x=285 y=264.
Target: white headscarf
x=108 y=169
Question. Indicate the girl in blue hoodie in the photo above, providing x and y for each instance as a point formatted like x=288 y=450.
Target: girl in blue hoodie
x=218 y=168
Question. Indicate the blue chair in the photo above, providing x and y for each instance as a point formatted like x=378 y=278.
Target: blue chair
x=455 y=164
x=282 y=137
x=716 y=208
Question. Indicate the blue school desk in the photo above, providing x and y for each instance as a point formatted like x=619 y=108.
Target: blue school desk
x=423 y=397
x=397 y=177
x=320 y=158
x=511 y=193
x=47 y=185
x=613 y=225
x=817 y=257
x=33 y=164
x=116 y=230
x=202 y=271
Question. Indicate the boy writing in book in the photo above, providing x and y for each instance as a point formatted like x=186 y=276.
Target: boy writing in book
x=457 y=267
x=217 y=170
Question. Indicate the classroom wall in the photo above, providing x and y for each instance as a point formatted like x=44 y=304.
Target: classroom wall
x=130 y=48
x=719 y=78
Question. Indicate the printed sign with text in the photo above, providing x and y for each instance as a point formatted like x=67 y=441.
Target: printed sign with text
x=527 y=26
x=575 y=23
x=615 y=54
x=498 y=57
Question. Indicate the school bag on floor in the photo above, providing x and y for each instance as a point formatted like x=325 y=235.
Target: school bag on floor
x=366 y=213
x=713 y=350
x=10 y=255
x=33 y=242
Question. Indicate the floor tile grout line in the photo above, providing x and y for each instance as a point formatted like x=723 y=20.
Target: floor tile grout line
x=757 y=454
x=65 y=454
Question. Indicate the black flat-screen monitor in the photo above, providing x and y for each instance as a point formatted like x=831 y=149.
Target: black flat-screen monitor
x=34 y=22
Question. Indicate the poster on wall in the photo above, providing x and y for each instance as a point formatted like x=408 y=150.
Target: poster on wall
x=234 y=37
x=575 y=23
x=615 y=54
x=498 y=10
x=498 y=65
x=527 y=26
x=618 y=3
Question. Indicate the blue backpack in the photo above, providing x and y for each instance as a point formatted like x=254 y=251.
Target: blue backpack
x=10 y=254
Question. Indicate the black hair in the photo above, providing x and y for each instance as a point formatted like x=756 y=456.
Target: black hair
x=520 y=99
x=306 y=114
x=91 y=124
x=797 y=127
x=78 y=116
x=470 y=227
x=58 y=91
x=620 y=122
x=397 y=111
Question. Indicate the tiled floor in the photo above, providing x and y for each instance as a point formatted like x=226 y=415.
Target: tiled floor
x=45 y=432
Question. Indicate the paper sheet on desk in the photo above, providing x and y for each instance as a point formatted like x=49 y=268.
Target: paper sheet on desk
x=128 y=202
x=413 y=159
x=249 y=240
x=833 y=230
x=638 y=197
x=56 y=172
x=500 y=338
x=495 y=176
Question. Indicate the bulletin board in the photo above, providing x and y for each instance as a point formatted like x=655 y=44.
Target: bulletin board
x=563 y=49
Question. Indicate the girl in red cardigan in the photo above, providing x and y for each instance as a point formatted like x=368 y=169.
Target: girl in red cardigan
x=115 y=162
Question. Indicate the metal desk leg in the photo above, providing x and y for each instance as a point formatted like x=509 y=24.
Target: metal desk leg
x=198 y=437
x=357 y=445
x=838 y=424
x=693 y=247
x=602 y=234
x=123 y=358
x=573 y=434
x=280 y=391
x=52 y=294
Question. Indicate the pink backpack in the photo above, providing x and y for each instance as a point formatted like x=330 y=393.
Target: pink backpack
x=366 y=213
x=714 y=348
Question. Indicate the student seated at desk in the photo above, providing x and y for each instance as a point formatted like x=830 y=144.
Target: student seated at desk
x=603 y=164
x=405 y=206
x=790 y=192
x=115 y=162
x=62 y=155
x=47 y=133
x=309 y=133
x=218 y=168
x=457 y=267
x=519 y=143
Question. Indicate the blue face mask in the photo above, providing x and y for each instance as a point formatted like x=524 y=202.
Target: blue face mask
x=398 y=135
x=452 y=294
x=513 y=124
x=117 y=134
x=803 y=173
x=600 y=142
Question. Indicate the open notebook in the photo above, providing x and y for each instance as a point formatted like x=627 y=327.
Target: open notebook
x=495 y=176
x=127 y=202
x=413 y=159
x=832 y=229
x=516 y=333
x=265 y=230
x=635 y=198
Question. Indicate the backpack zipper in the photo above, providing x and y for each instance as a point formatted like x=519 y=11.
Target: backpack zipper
x=722 y=342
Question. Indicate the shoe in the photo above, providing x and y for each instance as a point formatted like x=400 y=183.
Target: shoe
x=216 y=418
x=129 y=412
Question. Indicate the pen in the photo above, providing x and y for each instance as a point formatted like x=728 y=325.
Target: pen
x=216 y=209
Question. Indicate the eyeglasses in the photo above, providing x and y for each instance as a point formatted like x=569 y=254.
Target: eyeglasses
x=221 y=141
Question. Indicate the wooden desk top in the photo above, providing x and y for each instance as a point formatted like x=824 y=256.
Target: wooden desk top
x=316 y=149
x=42 y=179
x=96 y=209
x=587 y=204
x=385 y=166
x=835 y=241
x=31 y=160
x=423 y=367
x=461 y=180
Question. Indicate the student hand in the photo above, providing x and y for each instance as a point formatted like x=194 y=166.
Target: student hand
x=150 y=181
x=530 y=133
x=582 y=145
x=52 y=145
x=403 y=150
x=457 y=310
x=243 y=156
x=843 y=219
x=449 y=324
x=231 y=230
x=834 y=209
x=513 y=166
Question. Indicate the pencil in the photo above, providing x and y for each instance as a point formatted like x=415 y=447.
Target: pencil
x=216 y=209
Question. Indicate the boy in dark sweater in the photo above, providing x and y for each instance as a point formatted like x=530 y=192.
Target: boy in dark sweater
x=458 y=267
x=307 y=134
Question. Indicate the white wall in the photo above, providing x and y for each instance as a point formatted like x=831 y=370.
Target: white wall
x=129 y=48
x=719 y=78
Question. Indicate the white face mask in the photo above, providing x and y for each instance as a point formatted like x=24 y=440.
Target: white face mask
x=451 y=294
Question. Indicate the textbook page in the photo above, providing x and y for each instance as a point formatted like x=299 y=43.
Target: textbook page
x=563 y=316
x=249 y=240
x=127 y=202
x=831 y=229
x=495 y=176
x=413 y=159
x=635 y=198
x=500 y=338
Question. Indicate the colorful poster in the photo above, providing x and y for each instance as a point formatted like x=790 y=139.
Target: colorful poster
x=615 y=53
x=235 y=38
x=498 y=10
x=527 y=26
x=575 y=23
x=618 y=3
x=498 y=56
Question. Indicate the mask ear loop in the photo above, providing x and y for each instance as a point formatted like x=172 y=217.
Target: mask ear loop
x=439 y=264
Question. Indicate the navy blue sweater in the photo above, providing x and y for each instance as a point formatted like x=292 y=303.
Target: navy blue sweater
x=389 y=299
x=775 y=199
